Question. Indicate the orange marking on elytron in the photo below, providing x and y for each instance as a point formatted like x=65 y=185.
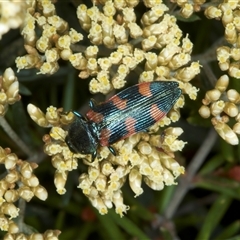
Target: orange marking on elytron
x=94 y=116
x=130 y=126
x=156 y=113
x=104 y=137
x=144 y=89
x=119 y=103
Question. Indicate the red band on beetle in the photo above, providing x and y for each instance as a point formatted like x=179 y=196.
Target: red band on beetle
x=104 y=137
x=144 y=89
x=119 y=103
x=130 y=126
x=94 y=116
x=156 y=113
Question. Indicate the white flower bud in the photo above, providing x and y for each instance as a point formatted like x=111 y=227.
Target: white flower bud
x=157 y=186
x=231 y=109
x=222 y=83
x=217 y=107
x=10 y=209
x=233 y=96
x=60 y=179
x=135 y=181
x=40 y=192
x=226 y=133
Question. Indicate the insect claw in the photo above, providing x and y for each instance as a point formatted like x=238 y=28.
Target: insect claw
x=78 y=114
x=94 y=154
x=112 y=150
x=92 y=103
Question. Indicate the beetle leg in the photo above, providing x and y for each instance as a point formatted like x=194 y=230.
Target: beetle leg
x=94 y=154
x=78 y=114
x=112 y=150
x=92 y=103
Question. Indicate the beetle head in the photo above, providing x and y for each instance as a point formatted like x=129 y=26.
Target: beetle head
x=81 y=137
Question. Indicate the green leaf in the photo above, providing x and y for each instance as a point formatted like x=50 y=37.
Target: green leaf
x=227 y=151
x=128 y=226
x=214 y=216
x=23 y=90
x=60 y=219
x=165 y=197
x=196 y=119
x=229 y=231
x=212 y=164
x=166 y=234
x=85 y=231
x=82 y=232
x=225 y=186
x=68 y=92
x=20 y=123
x=137 y=209
x=237 y=237
x=110 y=226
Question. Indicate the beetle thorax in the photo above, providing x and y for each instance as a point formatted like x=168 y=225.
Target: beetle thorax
x=82 y=137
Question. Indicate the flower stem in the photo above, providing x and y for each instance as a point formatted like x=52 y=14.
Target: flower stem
x=7 y=128
x=186 y=181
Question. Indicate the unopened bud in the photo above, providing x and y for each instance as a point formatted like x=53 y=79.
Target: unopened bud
x=135 y=181
x=40 y=192
x=26 y=193
x=236 y=128
x=13 y=227
x=60 y=179
x=10 y=209
x=231 y=109
x=226 y=133
x=213 y=95
x=31 y=182
x=11 y=195
x=204 y=111
x=217 y=107
x=144 y=148
x=37 y=115
x=222 y=83
x=233 y=96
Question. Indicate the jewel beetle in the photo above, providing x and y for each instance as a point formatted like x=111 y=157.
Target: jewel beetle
x=130 y=111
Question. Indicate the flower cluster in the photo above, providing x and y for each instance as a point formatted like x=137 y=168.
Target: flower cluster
x=18 y=182
x=223 y=103
x=150 y=44
x=62 y=158
x=9 y=88
x=228 y=56
x=141 y=157
x=115 y=25
x=48 y=235
x=12 y=14
x=54 y=43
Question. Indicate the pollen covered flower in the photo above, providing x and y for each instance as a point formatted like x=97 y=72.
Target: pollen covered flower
x=125 y=45
x=223 y=104
x=47 y=37
x=140 y=158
